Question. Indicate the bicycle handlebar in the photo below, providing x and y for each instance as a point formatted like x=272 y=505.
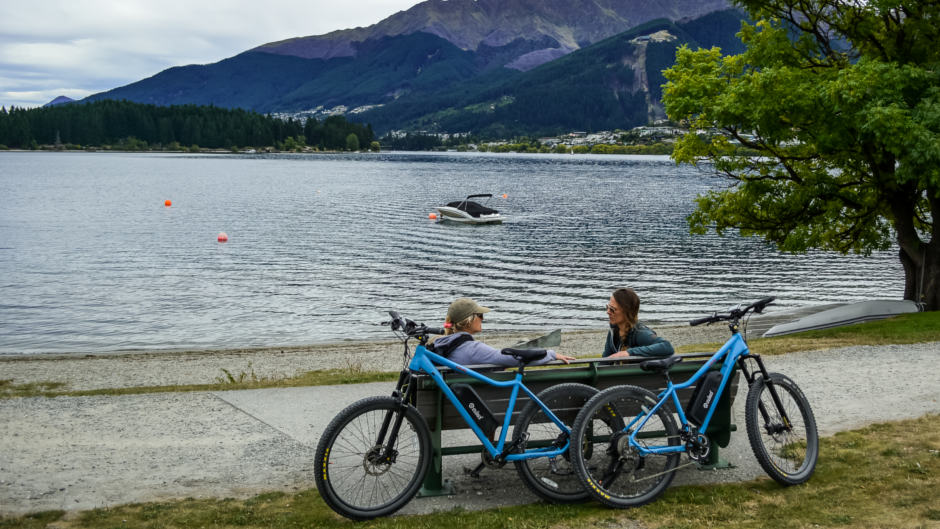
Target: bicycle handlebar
x=707 y=319
x=758 y=306
x=735 y=314
x=411 y=328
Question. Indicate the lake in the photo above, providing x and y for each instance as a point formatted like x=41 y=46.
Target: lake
x=322 y=246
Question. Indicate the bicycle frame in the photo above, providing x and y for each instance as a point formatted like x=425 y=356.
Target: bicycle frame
x=731 y=352
x=427 y=362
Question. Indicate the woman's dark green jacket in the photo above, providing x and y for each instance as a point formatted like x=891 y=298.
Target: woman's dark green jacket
x=640 y=341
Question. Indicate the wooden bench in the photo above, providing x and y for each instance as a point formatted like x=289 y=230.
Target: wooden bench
x=599 y=373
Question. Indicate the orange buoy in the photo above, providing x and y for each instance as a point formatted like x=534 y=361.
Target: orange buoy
x=505 y=195
x=168 y=203
x=223 y=237
x=432 y=216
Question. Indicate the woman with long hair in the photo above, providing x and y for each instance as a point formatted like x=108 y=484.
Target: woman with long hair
x=627 y=336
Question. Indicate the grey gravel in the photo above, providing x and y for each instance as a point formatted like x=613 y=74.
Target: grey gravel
x=82 y=452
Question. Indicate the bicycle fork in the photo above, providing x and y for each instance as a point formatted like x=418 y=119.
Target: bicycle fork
x=750 y=377
x=384 y=451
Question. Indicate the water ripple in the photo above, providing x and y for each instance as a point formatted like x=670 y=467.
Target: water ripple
x=320 y=247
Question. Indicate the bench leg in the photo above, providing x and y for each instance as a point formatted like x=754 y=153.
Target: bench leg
x=434 y=483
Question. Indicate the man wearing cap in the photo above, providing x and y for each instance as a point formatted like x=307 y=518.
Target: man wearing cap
x=464 y=319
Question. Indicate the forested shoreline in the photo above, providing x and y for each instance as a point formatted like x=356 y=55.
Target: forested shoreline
x=135 y=126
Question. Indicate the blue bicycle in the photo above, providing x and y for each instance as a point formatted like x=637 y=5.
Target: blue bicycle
x=374 y=454
x=627 y=445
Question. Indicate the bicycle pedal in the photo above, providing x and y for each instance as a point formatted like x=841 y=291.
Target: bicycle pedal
x=475 y=472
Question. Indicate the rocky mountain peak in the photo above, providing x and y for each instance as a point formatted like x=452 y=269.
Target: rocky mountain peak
x=570 y=24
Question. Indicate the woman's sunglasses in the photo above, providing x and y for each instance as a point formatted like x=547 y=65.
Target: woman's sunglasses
x=610 y=308
x=479 y=315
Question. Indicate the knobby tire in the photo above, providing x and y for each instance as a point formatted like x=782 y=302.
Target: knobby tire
x=787 y=452
x=351 y=479
x=610 y=470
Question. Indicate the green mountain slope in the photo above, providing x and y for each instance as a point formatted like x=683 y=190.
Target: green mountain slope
x=249 y=80
x=383 y=70
x=612 y=84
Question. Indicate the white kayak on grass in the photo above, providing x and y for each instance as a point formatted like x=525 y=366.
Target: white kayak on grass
x=846 y=315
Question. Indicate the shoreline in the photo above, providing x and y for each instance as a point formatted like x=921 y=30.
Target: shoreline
x=121 y=369
x=679 y=331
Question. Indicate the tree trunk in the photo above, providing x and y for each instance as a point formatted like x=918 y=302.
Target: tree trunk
x=920 y=259
x=929 y=279
x=930 y=292
x=910 y=275
x=922 y=275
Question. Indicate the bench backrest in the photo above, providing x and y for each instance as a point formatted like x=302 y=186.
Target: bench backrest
x=599 y=373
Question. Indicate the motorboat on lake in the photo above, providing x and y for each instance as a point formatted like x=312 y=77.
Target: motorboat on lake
x=467 y=211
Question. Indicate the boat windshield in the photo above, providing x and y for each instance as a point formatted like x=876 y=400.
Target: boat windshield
x=474 y=209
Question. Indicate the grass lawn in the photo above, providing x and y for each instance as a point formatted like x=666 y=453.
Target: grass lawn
x=885 y=475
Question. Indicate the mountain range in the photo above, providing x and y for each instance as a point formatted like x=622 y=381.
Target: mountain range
x=489 y=66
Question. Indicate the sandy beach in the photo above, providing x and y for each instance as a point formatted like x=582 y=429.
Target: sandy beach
x=142 y=368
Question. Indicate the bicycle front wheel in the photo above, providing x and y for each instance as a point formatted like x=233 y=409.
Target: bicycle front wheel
x=611 y=469
x=362 y=476
x=551 y=478
x=784 y=438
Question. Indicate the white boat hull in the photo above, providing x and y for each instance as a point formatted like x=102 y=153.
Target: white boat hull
x=446 y=213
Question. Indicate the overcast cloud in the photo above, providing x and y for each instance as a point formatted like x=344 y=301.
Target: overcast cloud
x=76 y=48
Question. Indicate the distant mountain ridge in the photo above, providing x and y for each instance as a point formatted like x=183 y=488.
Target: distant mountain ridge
x=59 y=101
x=463 y=50
x=561 y=25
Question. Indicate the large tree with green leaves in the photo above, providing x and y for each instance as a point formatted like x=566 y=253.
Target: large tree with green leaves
x=840 y=101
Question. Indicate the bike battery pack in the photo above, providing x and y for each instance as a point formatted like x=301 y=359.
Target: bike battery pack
x=703 y=398
x=478 y=409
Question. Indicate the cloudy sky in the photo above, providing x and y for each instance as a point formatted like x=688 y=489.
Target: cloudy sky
x=76 y=48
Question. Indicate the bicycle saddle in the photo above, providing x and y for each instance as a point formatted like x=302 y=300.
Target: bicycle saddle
x=525 y=355
x=661 y=365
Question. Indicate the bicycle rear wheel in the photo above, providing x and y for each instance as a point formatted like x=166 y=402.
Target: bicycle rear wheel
x=360 y=476
x=786 y=449
x=551 y=478
x=612 y=470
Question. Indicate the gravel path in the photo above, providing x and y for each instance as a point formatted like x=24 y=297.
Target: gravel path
x=82 y=452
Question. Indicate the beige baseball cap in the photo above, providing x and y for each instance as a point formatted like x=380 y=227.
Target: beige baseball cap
x=463 y=308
